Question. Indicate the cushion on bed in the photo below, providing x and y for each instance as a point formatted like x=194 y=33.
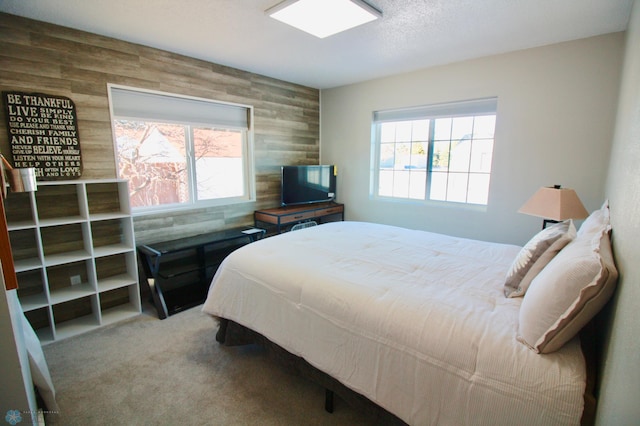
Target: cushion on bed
x=535 y=255
x=568 y=292
x=596 y=221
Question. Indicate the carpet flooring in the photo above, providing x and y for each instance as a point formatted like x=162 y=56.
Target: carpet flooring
x=145 y=371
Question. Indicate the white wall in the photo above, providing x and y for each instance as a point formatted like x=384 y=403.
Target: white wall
x=620 y=386
x=556 y=114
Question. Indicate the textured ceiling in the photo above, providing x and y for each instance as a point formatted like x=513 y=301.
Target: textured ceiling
x=412 y=34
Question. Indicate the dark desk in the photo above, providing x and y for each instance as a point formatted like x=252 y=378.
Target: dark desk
x=178 y=272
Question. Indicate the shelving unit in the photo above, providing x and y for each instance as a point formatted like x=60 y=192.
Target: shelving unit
x=75 y=256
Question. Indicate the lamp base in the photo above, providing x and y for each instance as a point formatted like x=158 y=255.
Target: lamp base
x=545 y=222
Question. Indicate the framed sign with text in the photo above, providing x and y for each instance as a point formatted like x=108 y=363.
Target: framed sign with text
x=43 y=133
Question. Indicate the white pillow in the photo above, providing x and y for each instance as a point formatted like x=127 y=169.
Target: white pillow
x=597 y=221
x=568 y=292
x=535 y=255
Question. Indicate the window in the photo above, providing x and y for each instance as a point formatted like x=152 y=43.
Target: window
x=439 y=152
x=178 y=151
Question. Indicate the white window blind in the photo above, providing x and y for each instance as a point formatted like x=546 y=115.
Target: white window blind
x=451 y=109
x=175 y=108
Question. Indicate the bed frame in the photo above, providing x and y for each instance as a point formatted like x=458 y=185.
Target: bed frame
x=231 y=333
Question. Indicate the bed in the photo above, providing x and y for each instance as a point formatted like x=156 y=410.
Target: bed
x=420 y=323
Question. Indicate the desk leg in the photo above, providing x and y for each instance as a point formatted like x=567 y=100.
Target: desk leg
x=158 y=299
x=148 y=268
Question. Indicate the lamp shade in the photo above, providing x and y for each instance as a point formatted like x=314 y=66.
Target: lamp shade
x=555 y=203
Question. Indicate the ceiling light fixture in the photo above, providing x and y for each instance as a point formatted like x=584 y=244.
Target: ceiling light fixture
x=323 y=18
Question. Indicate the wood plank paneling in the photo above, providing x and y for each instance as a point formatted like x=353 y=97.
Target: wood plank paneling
x=41 y=57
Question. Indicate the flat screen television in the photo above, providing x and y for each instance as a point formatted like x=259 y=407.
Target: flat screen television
x=308 y=184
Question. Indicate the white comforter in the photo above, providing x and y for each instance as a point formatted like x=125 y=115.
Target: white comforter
x=415 y=321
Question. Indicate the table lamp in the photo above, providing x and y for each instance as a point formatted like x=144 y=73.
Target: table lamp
x=554 y=204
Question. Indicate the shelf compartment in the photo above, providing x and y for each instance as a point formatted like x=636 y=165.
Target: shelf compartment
x=123 y=298
x=119 y=313
x=41 y=323
x=64 y=241
x=106 y=200
x=19 y=211
x=61 y=259
x=75 y=316
x=116 y=271
x=27 y=264
x=31 y=292
x=25 y=249
x=60 y=277
x=62 y=203
x=62 y=221
x=111 y=236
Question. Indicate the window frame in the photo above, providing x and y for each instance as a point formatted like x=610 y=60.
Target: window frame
x=457 y=109
x=247 y=150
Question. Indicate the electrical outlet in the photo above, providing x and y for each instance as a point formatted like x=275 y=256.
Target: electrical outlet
x=75 y=280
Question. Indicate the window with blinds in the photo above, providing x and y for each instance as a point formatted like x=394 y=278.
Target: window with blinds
x=438 y=152
x=178 y=151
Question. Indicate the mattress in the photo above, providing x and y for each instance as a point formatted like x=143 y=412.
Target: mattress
x=415 y=321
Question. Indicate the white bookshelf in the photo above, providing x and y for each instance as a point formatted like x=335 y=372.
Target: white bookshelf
x=74 y=251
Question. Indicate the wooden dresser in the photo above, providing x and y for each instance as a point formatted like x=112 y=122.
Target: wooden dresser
x=281 y=219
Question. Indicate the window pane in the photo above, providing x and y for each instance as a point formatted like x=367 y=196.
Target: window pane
x=152 y=157
x=478 y=188
x=403 y=131
x=388 y=132
x=440 y=156
x=462 y=127
x=442 y=130
x=385 y=183
x=401 y=184
x=438 y=186
x=460 y=155
x=481 y=155
x=484 y=127
x=457 y=187
x=387 y=155
x=417 y=184
x=418 y=155
x=219 y=165
x=420 y=130
x=403 y=156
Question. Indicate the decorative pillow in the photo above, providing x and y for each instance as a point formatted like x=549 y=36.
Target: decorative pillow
x=535 y=255
x=567 y=293
x=596 y=221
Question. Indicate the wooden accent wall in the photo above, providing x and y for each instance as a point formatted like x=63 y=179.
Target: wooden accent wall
x=40 y=57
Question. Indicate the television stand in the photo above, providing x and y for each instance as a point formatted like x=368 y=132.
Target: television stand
x=282 y=219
